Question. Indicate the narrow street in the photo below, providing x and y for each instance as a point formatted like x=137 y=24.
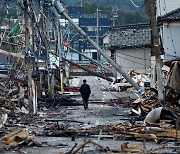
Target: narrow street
x=89 y=77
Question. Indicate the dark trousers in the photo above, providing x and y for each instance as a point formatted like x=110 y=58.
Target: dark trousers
x=85 y=101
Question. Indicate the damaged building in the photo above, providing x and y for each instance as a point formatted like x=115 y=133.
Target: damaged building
x=41 y=107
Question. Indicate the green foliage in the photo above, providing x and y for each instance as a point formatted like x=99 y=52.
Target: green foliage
x=89 y=8
x=125 y=16
x=129 y=17
x=121 y=4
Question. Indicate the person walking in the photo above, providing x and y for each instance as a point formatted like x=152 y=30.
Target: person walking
x=85 y=93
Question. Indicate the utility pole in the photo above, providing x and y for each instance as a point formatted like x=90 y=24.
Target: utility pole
x=27 y=61
x=114 y=16
x=59 y=37
x=45 y=37
x=61 y=60
x=156 y=50
x=113 y=52
x=97 y=33
x=68 y=50
x=81 y=4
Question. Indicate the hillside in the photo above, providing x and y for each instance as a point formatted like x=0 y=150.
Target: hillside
x=126 y=11
x=126 y=4
x=117 y=4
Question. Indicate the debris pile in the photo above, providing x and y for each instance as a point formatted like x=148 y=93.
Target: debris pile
x=147 y=121
x=17 y=137
x=36 y=95
x=123 y=85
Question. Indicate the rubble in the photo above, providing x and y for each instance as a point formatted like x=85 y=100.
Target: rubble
x=122 y=85
x=37 y=103
x=140 y=124
x=17 y=137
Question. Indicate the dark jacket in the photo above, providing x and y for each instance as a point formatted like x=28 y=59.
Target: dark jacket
x=85 y=89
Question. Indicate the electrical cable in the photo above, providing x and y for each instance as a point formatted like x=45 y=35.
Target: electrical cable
x=134 y=4
x=135 y=56
x=42 y=36
x=131 y=60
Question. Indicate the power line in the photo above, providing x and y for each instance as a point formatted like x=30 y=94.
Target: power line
x=134 y=56
x=134 y=4
x=131 y=60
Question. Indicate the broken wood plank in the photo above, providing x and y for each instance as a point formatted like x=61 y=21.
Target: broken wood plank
x=84 y=144
x=102 y=136
x=15 y=55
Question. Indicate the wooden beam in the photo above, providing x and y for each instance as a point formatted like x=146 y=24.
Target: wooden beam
x=15 y=55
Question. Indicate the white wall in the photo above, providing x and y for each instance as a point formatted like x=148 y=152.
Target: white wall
x=63 y=22
x=72 y=56
x=171 y=40
x=138 y=59
x=165 y=6
x=106 y=39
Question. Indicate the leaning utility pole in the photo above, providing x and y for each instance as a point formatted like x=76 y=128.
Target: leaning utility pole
x=156 y=50
x=61 y=11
